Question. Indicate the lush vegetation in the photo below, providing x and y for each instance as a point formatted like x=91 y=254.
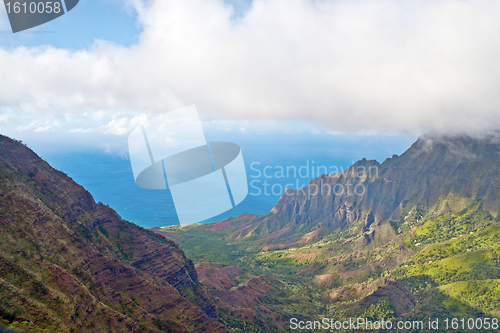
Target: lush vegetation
x=439 y=264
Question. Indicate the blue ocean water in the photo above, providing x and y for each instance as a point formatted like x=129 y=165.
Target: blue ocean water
x=109 y=177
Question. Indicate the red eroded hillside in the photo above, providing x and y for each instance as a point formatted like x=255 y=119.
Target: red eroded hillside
x=70 y=264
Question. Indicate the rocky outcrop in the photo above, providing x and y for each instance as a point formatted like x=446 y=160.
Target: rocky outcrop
x=434 y=171
x=241 y=294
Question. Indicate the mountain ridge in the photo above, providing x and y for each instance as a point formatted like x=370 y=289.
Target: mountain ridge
x=68 y=263
x=420 y=241
x=433 y=168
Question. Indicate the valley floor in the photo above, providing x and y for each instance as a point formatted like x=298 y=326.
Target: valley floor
x=437 y=265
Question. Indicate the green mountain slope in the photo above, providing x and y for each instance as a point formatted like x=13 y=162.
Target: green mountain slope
x=68 y=264
x=447 y=170
x=420 y=241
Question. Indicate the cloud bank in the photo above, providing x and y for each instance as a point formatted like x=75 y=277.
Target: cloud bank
x=363 y=65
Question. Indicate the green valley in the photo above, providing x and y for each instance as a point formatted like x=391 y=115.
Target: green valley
x=419 y=244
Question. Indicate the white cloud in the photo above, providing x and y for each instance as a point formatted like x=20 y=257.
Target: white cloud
x=123 y=125
x=82 y=130
x=4 y=118
x=358 y=65
x=315 y=131
x=39 y=126
x=108 y=123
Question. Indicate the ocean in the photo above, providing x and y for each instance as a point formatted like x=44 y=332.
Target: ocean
x=272 y=164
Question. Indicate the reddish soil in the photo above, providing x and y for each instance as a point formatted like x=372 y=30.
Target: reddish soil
x=220 y=225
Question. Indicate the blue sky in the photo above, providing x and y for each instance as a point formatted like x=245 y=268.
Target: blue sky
x=387 y=70
x=109 y=20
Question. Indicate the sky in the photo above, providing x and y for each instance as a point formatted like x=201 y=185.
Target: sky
x=322 y=67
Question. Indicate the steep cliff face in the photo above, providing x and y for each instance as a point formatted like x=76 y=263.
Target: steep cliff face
x=67 y=263
x=435 y=173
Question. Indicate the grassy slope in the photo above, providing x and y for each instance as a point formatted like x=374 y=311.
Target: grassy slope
x=208 y=246
x=68 y=264
x=447 y=262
